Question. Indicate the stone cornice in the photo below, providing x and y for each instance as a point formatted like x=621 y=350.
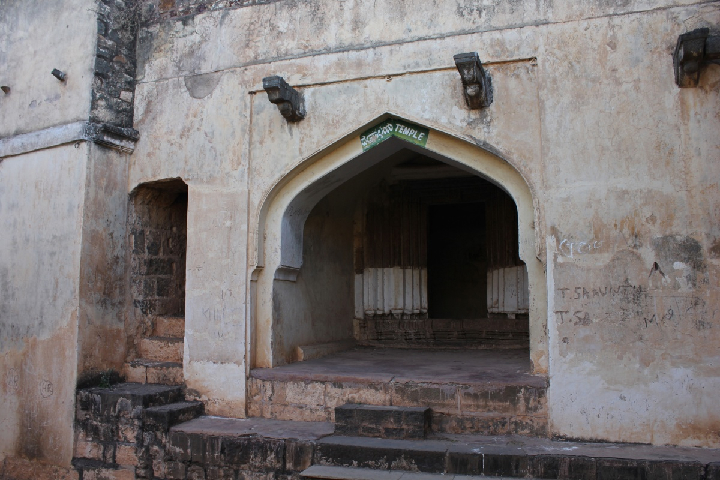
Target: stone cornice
x=117 y=138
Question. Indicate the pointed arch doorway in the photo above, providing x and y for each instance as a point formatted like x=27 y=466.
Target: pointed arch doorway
x=399 y=235
x=299 y=302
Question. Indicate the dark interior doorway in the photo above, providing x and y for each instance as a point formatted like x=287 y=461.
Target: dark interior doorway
x=457 y=263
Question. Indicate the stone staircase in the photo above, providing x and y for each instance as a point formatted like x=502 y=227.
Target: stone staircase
x=161 y=354
x=121 y=431
x=135 y=431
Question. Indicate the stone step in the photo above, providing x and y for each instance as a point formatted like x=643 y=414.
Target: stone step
x=519 y=457
x=161 y=349
x=98 y=402
x=143 y=370
x=291 y=447
x=359 y=420
x=487 y=408
x=165 y=416
x=169 y=327
x=317 y=472
x=245 y=445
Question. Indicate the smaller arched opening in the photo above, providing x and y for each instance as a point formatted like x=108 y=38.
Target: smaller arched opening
x=155 y=325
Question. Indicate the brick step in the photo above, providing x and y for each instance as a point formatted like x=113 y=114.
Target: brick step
x=358 y=420
x=173 y=327
x=161 y=349
x=482 y=408
x=317 y=472
x=143 y=370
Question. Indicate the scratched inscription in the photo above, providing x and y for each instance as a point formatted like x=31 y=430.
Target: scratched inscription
x=586 y=305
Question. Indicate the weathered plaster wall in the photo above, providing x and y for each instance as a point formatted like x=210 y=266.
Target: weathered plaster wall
x=319 y=306
x=586 y=109
x=205 y=146
x=101 y=323
x=35 y=38
x=41 y=217
x=634 y=348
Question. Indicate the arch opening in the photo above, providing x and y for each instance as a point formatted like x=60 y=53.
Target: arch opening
x=353 y=239
x=155 y=324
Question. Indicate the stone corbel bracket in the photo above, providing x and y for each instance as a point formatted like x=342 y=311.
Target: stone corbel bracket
x=694 y=50
x=477 y=84
x=289 y=101
x=117 y=138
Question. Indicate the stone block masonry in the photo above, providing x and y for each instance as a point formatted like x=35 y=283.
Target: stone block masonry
x=114 y=81
x=379 y=421
x=158 y=226
x=133 y=431
x=119 y=431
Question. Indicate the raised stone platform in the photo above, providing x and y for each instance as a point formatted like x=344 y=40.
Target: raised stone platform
x=475 y=391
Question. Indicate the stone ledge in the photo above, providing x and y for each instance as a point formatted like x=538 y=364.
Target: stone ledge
x=117 y=138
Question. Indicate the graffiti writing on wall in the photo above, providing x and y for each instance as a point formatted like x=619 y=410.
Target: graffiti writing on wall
x=569 y=248
x=584 y=305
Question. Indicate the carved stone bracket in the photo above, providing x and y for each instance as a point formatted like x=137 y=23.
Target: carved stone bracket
x=117 y=138
x=477 y=84
x=692 y=51
x=289 y=101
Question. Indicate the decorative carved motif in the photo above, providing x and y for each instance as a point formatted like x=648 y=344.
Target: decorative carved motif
x=289 y=101
x=477 y=84
x=117 y=138
x=694 y=50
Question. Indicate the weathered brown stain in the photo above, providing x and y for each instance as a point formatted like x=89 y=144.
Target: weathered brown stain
x=39 y=381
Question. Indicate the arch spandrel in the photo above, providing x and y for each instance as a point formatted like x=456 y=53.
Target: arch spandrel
x=284 y=209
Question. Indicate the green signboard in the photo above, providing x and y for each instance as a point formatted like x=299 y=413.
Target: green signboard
x=393 y=128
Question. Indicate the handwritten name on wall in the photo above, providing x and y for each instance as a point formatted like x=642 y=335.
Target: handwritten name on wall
x=632 y=305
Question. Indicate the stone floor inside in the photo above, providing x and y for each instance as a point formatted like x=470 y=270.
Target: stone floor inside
x=404 y=365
